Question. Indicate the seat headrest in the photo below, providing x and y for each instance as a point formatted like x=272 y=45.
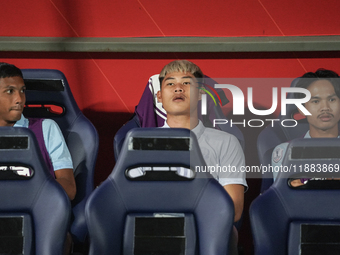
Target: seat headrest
x=46 y=88
x=313 y=157
x=155 y=86
x=19 y=147
x=160 y=147
x=291 y=109
x=306 y=158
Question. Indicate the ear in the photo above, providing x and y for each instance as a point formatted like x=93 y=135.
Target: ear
x=159 y=96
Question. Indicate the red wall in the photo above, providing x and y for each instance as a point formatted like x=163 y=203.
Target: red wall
x=104 y=18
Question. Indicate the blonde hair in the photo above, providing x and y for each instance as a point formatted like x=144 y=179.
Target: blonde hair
x=183 y=66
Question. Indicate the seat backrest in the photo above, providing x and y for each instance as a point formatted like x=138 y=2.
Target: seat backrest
x=48 y=95
x=287 y=220
x=196 y=211
x=275 y=134
x=150 y=113
x=35 y=211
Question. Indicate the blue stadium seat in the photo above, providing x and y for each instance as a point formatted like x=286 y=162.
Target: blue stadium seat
x=274 y=135
x=159 y=212
x=150 y=113
x=35 y=211
x=48 y=95
x=305 y=219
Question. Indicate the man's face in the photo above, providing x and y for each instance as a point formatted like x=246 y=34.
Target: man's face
x=12 y=100
x=324 y=106
x=179 y=94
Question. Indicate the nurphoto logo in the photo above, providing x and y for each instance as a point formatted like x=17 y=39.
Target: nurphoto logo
x=239 y=103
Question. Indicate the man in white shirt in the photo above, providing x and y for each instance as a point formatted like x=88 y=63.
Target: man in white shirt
x=179 y=95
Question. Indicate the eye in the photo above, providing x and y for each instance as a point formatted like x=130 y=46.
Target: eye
x=315 y=101
x=187 y=83
x=170 y=84
x=23 y=90
x=333 y=99
x=9 y=91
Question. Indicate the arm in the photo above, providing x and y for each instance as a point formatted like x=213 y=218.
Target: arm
x=236 y=192
x=234 y=182
x=65 y=178
x=60 y=157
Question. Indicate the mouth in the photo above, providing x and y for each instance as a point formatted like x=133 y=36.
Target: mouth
x=325 y=117
x=178 y=98
x=16 y=108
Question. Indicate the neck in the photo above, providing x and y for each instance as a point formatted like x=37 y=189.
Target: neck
x=329 y=133
x=4 y=123
x=181 y=121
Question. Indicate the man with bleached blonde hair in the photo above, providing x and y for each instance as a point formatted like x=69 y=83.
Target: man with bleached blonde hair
x=179 y=95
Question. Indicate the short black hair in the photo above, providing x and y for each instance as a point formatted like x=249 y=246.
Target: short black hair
x=9 y=70
x=321 y=74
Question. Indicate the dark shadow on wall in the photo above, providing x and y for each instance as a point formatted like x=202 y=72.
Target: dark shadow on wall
x=107 y=124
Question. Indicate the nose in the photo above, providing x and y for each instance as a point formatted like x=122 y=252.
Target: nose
x=179 y=87
x=325 y=106
x=19 y=97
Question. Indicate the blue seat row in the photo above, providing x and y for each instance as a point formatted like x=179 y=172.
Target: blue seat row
x=117 y=211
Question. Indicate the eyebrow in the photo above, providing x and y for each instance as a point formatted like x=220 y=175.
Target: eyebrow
x=13 y=87
x=317 y=97
x=333 y=95
x=184 y=77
